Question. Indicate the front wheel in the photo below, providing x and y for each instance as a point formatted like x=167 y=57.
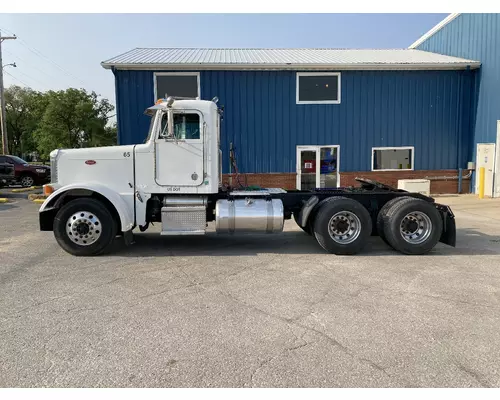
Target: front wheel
x=342 y=226
x=84 y=227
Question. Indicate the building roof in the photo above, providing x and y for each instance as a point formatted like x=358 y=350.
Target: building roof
x=211 y=58
x=435 y=29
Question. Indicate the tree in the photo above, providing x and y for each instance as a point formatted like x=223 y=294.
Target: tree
x=24 y=108
x=74 y=118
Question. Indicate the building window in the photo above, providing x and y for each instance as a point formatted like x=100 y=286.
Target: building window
x=186 y=126
x=178 y=84
x=392 y=158
x=318 y=88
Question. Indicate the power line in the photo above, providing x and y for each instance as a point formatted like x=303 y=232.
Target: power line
x=31 y=66
x=17 y=79
x=42 y=56
x=31 y=78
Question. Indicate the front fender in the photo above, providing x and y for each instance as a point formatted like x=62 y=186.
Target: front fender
x=125 y=212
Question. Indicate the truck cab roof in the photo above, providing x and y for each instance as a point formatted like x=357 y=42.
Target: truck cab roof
x=202 y=105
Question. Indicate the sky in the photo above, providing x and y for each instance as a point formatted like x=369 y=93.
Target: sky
x=57 y=51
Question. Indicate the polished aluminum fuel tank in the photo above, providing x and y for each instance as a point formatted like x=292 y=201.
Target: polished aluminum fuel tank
x=249 y=215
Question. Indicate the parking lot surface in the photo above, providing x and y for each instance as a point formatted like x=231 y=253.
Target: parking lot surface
x=250 y=311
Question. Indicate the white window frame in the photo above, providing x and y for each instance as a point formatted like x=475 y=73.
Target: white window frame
x=412 y=148
x=317 y=150
x=197 y=74
x=180 y=112
x=339 y=91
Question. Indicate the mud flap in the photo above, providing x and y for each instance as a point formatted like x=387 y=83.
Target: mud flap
x=306 y=210
x=128 y=237
x=449 y=235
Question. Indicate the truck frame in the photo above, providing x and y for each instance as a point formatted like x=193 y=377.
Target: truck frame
x=175 y=178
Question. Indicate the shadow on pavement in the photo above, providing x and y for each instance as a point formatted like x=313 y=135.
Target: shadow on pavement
x=7 y=206
x=290 y=242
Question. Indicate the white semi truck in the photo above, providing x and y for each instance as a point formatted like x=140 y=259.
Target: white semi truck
x=175 y=178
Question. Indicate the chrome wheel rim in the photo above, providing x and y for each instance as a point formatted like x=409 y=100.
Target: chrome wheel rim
x=415 y=227
x=27 y=181
x=344 y=227
x=83 y=228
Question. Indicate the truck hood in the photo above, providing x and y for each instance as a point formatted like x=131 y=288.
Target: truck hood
x=112 y=166
x=94 y=153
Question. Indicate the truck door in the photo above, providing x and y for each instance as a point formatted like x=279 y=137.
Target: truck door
x=180 y=159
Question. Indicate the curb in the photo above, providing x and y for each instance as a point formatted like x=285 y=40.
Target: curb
x=23 y=190
x=3 y=200
x=35 y=196
x=39 y=201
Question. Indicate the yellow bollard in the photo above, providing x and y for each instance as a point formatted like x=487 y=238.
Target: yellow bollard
x=481 y=182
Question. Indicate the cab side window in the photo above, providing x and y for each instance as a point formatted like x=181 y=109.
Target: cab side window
x=186 y=126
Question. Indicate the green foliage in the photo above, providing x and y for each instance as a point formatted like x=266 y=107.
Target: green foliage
x=24 y=108
x=70 y=118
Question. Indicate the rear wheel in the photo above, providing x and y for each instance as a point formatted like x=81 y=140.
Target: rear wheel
x=342 y=226
x=84 y=227
x=412 y=226
x=381 y=215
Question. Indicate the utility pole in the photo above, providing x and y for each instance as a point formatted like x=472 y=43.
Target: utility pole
x=3 y=122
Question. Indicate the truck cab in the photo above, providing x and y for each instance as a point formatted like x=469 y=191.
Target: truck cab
x=180 y=157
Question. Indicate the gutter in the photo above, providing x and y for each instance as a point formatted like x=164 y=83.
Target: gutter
x=296 y=67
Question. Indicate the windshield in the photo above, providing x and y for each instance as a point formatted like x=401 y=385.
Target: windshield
x=18 y=160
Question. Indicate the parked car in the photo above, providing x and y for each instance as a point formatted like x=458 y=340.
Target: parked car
x=6 y=174
x=26 y=174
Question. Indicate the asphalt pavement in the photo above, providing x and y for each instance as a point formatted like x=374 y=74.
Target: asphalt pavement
x=249 y=311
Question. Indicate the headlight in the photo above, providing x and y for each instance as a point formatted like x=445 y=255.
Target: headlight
x=40 y=170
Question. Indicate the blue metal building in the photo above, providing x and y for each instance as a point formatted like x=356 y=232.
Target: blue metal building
x=402 y=113
x=476 y=36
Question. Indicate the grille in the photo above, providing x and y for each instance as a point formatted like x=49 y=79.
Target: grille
x=53 y=170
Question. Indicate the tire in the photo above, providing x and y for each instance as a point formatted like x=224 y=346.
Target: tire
x=96 y=220
x=26 y=180
x=342 y=226
x=307 y=229
x=382 y=213
x=412 y=226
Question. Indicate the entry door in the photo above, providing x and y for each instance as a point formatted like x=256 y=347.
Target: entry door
x=317 y=167
x=485 y=157
x=179 y=159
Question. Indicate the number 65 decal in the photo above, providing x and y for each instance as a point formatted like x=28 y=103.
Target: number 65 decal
x=126 y=154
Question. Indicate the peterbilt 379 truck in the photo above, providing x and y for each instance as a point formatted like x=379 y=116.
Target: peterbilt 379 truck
x=175 y=178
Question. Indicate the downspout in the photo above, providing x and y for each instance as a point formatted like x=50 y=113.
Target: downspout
x=460 y=123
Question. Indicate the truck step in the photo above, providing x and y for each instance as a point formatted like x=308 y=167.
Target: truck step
x=184 y=220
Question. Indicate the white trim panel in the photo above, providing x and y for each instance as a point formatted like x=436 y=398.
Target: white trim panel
x=412 y=148
x=339 y=89
x=496 y=171
x=197 y=74
x=435 y=29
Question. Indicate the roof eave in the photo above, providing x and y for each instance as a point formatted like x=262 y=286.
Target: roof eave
x=240 y=67
x=435 y=29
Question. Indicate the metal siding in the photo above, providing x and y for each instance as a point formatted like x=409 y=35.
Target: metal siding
x=424 y=109
x=135 y=92
x=476 y=36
